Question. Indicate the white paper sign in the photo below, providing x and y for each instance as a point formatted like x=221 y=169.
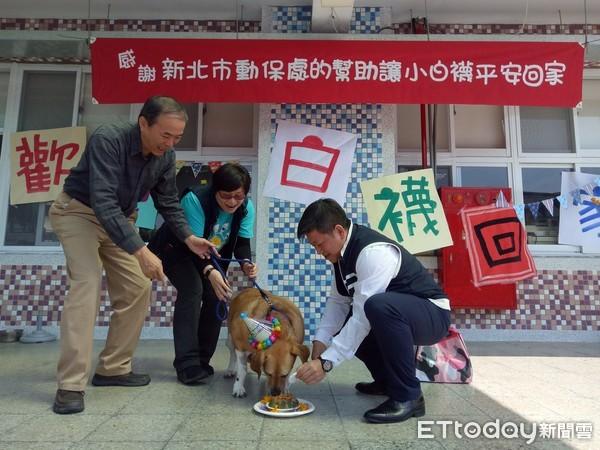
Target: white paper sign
x=309 y=163
x=580 y=223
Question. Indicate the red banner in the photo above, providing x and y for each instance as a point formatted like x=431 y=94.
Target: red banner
x=334 y=71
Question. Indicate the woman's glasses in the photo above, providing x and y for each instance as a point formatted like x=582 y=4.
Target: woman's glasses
x=227 y=196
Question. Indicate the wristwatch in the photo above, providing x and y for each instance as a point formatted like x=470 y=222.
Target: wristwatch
x=326 y=365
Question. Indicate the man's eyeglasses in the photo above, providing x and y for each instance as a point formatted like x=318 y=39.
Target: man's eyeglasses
x=226 y=196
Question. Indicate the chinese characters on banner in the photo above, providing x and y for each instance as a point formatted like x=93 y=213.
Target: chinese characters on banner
x=497 y=245
x=41 y=160
x=406 y=207
x=308 y=163
x=579 y=222
x=340 y=71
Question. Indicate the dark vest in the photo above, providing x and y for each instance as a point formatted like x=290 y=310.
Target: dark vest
x=170 y=249
x=412 y=277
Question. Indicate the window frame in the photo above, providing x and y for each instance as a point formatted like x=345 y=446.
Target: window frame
x=515 y=160
x=13 y=109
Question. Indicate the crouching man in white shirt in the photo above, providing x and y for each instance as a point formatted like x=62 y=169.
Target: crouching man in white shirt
x=382 y=303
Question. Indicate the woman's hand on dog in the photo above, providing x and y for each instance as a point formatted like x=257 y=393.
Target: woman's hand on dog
x=250 y=269
x=311 y=372
x=220 y=286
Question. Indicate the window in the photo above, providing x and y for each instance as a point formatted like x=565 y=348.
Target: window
x=482 y=176
x=443 y=174
x=588 y=117
x=47 y=101
x=541 y=183
x=4 y=77
x=543 y=143
x=217 y=129
x=92 y=116
x=409 y=128
x=546 y=130
x=479 y=127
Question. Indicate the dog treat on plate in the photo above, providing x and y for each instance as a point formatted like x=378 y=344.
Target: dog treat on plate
x=281 y=402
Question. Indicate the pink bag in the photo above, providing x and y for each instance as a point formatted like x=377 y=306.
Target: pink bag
x=447 y=361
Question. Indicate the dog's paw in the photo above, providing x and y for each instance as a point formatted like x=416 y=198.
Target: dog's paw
x=229 y=373
x=238 y=391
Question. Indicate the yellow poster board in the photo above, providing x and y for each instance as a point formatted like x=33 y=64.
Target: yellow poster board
x=41 y=160
x=406 y=208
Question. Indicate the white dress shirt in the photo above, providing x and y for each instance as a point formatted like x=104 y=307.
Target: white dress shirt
x=376 y=265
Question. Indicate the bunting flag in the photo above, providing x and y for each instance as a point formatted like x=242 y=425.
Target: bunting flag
x=501 y=200
x=520 y=211
x=534 y=208
x=597 y=181
x=196 y=167
x=562 y=200
x=589 y=189
x=178 y=165
x=497 y=245
x=576 y=194
x=549 y=204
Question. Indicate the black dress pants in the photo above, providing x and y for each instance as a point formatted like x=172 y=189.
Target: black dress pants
x=398 y=322
x=195 y=324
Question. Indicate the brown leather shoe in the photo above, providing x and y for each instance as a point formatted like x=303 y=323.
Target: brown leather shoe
x=68 y=402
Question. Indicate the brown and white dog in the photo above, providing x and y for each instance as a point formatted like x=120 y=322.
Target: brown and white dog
x=277 y=361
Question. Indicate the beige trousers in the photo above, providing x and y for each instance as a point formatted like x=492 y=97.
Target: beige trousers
x=88 y=249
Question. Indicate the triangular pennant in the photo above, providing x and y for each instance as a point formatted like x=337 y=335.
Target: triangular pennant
x=534 y=208
x=501 y=200
x=520 y=210
x=562 y=200
x=589 y=189
x=549 y=204
x=597 y=181
x=576 y=194
x=179 y=165
x=196 y=167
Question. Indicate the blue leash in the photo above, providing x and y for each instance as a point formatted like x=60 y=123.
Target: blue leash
x=222 y=310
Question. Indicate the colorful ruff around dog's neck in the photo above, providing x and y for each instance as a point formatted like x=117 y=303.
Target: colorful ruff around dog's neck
x=261 y=336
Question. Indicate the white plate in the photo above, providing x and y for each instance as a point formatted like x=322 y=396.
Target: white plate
x=261 y=408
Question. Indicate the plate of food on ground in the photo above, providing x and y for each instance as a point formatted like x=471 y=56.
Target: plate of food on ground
x=284 y=405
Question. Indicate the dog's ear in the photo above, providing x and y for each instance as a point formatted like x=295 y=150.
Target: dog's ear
x=301 y=351
x=256 y=362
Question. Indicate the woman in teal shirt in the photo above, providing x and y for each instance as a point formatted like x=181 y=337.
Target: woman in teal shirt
x=223 y=214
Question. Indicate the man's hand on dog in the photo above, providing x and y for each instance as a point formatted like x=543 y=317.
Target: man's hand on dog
x=318 y=347
x=220 y=286
x=311 y=372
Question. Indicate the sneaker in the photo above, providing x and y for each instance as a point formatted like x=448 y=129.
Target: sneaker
x=129 y=379
x=193 y=375
x=68 y=402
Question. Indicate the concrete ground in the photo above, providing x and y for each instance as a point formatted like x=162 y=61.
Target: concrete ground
x=552 y=387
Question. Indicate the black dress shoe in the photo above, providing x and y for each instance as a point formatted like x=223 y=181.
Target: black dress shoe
x=392 y=411
x=372 y=388
x=129 y=380
x=193 y=375
x=68 y=402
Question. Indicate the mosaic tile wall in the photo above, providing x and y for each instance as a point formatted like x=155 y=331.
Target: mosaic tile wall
x=133 y=25
x=32 y=291
x=555 y=300
x=297 y=19
x=295 y=270
x=368 y=20
x=310 y=282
